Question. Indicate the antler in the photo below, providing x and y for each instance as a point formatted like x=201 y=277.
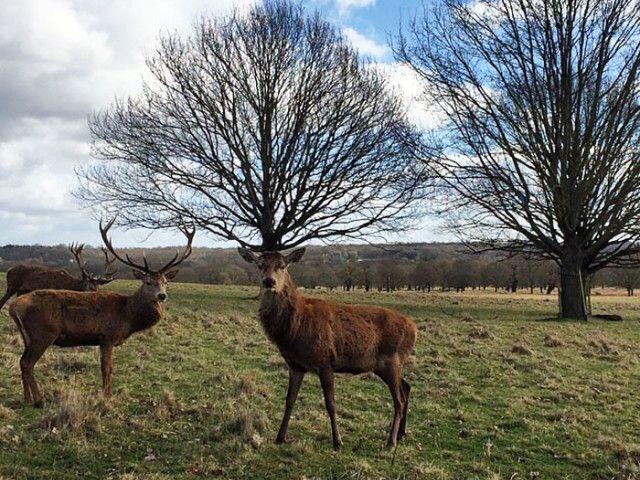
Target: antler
x=76 y=251
x=108 y=274
x=181 y=257
x=176 y=260
x=127 y=261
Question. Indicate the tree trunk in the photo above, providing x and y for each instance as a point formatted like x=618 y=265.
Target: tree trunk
x=572 y=291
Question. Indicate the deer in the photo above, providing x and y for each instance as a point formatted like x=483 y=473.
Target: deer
x=23 y=279
x=102 y=318
x=325 y=338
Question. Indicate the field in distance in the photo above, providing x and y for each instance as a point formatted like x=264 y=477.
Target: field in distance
x=500 y=390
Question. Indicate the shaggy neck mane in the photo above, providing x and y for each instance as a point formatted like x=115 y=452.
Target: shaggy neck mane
x=278 y=313
x=145 y=313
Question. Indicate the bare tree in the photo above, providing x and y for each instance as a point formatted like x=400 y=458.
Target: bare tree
x=265 y=128
x=539 y=147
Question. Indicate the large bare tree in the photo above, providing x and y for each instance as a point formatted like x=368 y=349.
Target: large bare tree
x=539 y=148
x=263 y=127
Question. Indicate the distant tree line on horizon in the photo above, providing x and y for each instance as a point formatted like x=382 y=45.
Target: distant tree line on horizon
x=421 y=267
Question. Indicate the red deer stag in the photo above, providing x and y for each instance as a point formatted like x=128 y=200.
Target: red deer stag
x=23 y=279
x=314 y=335
x=104 y=319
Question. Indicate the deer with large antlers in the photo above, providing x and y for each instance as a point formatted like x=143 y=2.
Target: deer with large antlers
x=314 y=335
x=23 y=279
x=103 y=319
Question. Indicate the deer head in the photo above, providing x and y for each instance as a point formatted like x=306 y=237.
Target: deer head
x=90 y=281
x=154 y=282
x=272 y=266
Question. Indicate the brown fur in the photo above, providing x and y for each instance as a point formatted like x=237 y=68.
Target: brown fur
x=23 y=279
x=314 y=335
x=71 y=319
x=104 y=319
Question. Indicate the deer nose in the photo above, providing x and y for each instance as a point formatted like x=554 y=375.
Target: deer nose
x=162 y=296
x=269 y=282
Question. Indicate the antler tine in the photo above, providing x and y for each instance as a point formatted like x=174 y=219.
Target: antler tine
x=107 y=241
x=76 y=250
x=108 y=263
x=179 y=258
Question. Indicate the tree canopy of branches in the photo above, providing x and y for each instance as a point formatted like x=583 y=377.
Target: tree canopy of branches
x=263 y=127
x=538 y=152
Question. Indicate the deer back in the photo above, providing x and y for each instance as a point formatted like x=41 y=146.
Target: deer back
x=27 y=278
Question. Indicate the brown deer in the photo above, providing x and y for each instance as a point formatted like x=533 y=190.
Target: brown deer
x=105 y=319
x=23 y=279
x=314 y=335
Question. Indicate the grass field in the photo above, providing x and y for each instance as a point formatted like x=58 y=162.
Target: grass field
x=500 y=390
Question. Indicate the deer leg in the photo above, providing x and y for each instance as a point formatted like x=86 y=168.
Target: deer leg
x=295 y=381
x=406 y=388
x=31 y=355
x=390 y=374
x=326 y=381
x=6 y=297
x=106 y=365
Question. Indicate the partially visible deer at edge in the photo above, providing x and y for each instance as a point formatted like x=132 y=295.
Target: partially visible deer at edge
x=105 y=319
x=23 y=279
x=314 y=335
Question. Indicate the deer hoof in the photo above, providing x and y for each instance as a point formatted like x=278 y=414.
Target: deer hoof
x=391 y=445
x=38 y=404
x=282 y=439
x=337 y=446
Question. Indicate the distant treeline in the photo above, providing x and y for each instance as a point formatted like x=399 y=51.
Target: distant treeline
x=419 y=266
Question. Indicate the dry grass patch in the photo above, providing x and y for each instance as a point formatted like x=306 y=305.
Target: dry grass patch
x=520 y=348
x=552 y=341
x=75 y=412
x=480 y=331
x=6 y=413
x=603 y=346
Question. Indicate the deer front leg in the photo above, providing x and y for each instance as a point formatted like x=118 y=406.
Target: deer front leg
x=106 y=364
x=326 y=381
x=295 y=381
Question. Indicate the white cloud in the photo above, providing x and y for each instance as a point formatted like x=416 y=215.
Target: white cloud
x=406 y=83
x=59 y=61
x=345 y=5
x=365 y=45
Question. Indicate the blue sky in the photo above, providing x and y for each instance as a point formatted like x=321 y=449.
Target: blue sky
x=60 y=60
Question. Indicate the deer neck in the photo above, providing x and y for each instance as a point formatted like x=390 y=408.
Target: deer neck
x=143 y=312
x=278 y=313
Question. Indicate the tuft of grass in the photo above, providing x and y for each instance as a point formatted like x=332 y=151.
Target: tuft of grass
x=603 y=346
x=520 y=348
x=480 y=331
x=76 y=412
x=551 y=340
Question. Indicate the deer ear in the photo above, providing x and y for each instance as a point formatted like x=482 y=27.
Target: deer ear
x=248 y=255
x=138 y=274
x=171 y=274
x=295 y=256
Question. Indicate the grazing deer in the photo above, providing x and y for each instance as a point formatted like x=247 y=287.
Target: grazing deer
x=23 y=279
x=314 y=335
x=104 y=319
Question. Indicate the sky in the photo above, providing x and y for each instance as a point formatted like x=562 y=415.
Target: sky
x=60 y=60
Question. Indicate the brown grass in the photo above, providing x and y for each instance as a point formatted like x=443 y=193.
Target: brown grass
x=75 y=412
x=479 y=331
x=552 y=341
x=520 y=348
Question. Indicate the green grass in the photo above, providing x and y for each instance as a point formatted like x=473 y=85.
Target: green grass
x=202 y=395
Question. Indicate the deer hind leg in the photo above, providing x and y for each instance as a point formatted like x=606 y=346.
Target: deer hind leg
x=295 y=381
x=326 y=381
x=406 y=388
x=32 y=353
x=390 y=373
x=106 y=365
